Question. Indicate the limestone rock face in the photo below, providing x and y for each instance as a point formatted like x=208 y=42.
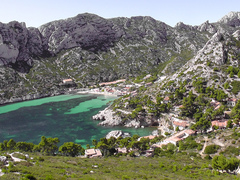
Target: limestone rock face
x=216 y=46
x=12 y=37
x=231 y=19
x=108 y=118
x=88 y=31
x=182 y=26
x=18 y=45
x=90 y=49
x=207 y=27
x=7 y=52
x=237 y=35
x=116 y=134
x=36 y=44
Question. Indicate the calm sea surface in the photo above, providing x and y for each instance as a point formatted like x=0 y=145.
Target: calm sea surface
x=68 y=117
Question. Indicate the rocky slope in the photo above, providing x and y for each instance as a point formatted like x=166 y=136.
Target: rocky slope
x=90 y=49
x=215 y=66
x=213 y=61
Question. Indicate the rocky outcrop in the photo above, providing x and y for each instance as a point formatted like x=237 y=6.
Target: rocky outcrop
x=237 y=35
x=108 y=118
x=13 y=37
x=184 y=27
x=3 y=159
x=116 y=134
x=207 y=27
x=87 y=31
x=231 y=19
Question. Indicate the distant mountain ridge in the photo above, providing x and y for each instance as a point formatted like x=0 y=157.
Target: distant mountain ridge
x=90 y=49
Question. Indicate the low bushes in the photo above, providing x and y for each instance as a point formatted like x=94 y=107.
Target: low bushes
x=211 y=149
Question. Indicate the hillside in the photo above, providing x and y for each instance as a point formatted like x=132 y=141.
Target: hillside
x=177 y=167
x=212 y=75
x=190 y=159
x=89 y=49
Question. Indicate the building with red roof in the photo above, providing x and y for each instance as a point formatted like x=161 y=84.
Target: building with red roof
x=220 y=123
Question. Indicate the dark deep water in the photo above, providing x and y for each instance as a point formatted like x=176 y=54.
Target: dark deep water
x=68 y=117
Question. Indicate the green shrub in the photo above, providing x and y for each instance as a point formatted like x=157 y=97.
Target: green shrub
x=208 y=157
x=189 y=144
x=235 y=87
x=193 y=154
x=200 y=146
x=30 y=177
x=226 y=85
x=49 y=177
x=211 y=149
x=231 y=150
x=125 y=177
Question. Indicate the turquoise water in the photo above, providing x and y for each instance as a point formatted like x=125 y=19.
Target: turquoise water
x=68 y=117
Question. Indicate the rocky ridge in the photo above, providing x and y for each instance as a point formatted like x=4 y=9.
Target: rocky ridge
x=90 y=49
x=220 y=52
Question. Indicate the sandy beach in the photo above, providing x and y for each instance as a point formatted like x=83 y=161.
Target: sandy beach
x=96 y=92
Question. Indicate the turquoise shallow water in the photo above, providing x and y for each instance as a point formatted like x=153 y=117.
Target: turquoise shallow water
x=68 y=117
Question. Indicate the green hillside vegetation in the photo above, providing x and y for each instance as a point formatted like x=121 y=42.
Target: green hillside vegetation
x=48 y=161
x=179 y=166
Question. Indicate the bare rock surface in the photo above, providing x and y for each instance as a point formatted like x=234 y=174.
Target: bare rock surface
x=108 y=118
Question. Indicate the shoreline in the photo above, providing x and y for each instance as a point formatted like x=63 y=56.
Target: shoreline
x=26 y=98
x=99 y=93
x=40 y=96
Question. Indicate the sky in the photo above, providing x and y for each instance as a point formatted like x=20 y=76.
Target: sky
x=192 y=12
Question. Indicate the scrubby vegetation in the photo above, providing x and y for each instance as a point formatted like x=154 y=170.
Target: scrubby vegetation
x=179 y=166
x=183 y=161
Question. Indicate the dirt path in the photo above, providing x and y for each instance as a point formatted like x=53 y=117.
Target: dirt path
x=16 y=159
x=204 y=146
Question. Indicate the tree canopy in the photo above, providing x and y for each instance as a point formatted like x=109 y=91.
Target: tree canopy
x=71 y=149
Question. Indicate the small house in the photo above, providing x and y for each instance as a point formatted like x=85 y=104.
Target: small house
x=180 y=124
x=179 y=136
x=90 y=153
x=122 y=150
x=67 y=81
x=220 y=123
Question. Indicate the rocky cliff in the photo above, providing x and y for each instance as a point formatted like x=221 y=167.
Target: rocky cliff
x=90 y=49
